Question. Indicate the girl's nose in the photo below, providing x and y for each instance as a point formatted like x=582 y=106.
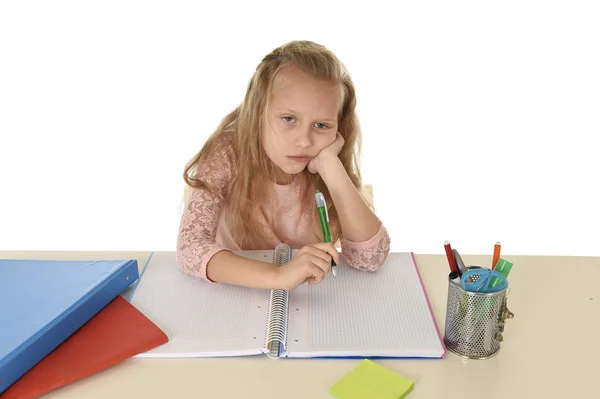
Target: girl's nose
x=304 y=137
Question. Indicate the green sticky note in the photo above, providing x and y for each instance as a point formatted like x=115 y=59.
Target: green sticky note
x=370 y=380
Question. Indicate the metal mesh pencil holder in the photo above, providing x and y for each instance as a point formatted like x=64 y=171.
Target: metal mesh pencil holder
x=474 y=321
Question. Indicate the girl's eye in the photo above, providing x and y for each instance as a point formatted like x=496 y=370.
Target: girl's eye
x=322 y=126
x=288 y=119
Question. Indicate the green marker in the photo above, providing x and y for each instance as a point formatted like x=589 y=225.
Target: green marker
x=324 y=216
x=503 y=266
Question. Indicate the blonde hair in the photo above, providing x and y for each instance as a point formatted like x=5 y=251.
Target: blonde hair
x=253 y=166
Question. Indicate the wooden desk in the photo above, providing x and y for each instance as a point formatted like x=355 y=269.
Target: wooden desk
x=550 y=349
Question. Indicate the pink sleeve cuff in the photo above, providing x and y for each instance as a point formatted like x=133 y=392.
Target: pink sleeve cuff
x=196 y=264
x=369 y=254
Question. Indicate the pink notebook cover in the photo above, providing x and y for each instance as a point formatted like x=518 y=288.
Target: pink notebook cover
x=429 y=305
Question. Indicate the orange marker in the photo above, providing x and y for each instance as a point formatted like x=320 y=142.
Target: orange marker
x=496 y=254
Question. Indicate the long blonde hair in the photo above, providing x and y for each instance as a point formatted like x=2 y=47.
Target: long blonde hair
x=254 y=167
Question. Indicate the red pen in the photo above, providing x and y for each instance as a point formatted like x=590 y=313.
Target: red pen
x=450 y=256
x=496 y=254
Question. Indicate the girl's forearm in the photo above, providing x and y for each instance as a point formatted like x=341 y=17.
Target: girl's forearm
x=357 y=220
x=228 y=268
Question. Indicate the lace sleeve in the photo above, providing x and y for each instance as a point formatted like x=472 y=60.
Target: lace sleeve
x=368 y=255
x=196 y=242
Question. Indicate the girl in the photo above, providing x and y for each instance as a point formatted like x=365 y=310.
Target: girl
x=253 y=182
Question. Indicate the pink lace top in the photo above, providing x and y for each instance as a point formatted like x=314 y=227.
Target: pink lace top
x=203 y=232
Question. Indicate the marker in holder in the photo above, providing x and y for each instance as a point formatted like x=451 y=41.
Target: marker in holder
x=475 y=321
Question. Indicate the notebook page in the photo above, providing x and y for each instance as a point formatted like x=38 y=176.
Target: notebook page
x=361 y=313
x=201 y=319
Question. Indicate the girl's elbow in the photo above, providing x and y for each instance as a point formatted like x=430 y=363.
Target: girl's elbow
x=381 y=259
x=378 y=261
x=372 y=263
x=185 y=260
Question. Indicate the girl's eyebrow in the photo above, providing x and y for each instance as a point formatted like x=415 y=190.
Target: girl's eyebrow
x=291 y=111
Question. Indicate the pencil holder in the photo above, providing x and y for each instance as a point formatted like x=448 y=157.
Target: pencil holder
x=475 y=321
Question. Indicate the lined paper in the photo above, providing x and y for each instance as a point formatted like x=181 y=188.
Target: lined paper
x=201 y=319
x=383 y=313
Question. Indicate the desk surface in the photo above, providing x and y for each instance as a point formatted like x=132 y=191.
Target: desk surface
x=550 y=347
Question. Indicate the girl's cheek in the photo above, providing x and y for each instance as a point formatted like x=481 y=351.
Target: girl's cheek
x=325 y=140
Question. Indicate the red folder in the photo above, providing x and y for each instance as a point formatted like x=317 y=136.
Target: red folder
x=116 y=333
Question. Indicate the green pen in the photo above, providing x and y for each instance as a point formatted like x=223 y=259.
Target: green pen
x=324 y=216
x=503 y=266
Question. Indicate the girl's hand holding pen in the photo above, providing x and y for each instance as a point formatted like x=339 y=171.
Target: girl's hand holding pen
x=311 y=264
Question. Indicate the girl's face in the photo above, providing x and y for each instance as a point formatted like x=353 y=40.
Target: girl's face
x=301 y=119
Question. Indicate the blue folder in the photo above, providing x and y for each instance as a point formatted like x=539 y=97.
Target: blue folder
x=43 y=302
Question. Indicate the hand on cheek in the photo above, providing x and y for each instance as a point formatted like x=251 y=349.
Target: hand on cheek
x=327 y=153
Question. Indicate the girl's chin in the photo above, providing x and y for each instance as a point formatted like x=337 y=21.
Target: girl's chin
x=294 y=171
x=293 y=168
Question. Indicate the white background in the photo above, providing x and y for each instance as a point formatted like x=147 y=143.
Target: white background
x=480 y=120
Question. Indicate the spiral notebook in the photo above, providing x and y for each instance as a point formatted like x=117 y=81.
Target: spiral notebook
x=358 y=314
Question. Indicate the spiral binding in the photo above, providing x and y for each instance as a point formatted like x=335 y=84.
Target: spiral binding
x=276 y=334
